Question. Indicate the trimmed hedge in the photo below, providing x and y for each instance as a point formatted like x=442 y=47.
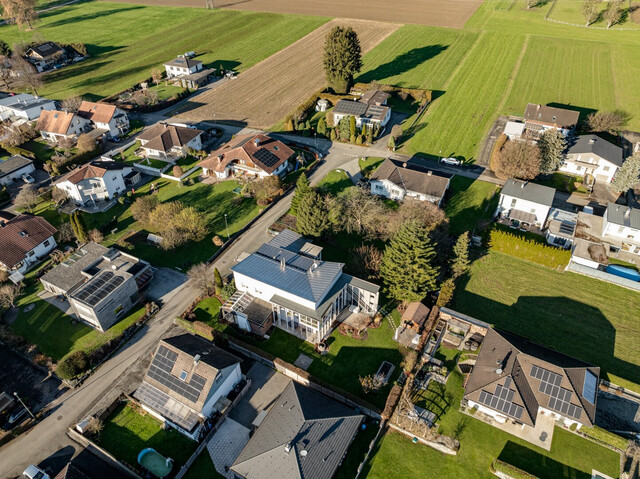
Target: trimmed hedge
x=530 y=250
x=196 y=327
x=510 y=470
x=603 y=436
x=74 y=161
x=16 y=150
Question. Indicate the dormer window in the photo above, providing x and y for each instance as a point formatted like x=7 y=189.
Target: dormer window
x=183 y=375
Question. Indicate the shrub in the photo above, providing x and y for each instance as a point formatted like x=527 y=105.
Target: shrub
x=72 y=365
x=520 y=247
x=573 y=427
x=228 y=290
x=600 y=435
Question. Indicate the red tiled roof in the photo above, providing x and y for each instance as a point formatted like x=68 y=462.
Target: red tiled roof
x=96 y=112
x=20 y=235
x=54 y=121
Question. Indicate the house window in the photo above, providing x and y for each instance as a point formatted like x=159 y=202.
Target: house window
x=183 y=375
x=46 y=243
x=118 y=311
x=218 y=378
x=605 y=168
x=30 y=253
x=532 y=210
x=578 y=168
x=513 y=202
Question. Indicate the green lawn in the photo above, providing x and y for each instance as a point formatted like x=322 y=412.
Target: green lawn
x=571 y=12
x=166 y=91
x=589 y=319
x=369 y=165
x=358 y=450
x=470 y=202
x=127 y=432
x=203 y=468
x=40 y=148
x=187 y=162
x=126 y=41
x=335 y=183
x=213 y=201
x=207 y=311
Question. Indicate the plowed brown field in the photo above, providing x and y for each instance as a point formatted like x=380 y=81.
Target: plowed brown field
x=267 y=92
x=439 y=13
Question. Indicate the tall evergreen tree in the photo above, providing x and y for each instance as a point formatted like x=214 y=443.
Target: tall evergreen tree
x=302 y=189
x=628 y=175
x=313 y=217
x=352 y=126
x=342 y=58
x=407 y=267
x=322 y=127
x=552 y=145
x=79 y=229
x=217 y=281
x=460 y=260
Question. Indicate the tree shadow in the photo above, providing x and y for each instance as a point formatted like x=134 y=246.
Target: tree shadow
x=89 y=16
x=402 y=63
x=537 y=464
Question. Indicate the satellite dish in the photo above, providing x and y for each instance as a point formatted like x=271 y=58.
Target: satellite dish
x=303 y=453
x=498 y=371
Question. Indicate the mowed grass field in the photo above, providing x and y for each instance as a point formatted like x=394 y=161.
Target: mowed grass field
x=580 y=316
x=125 y=41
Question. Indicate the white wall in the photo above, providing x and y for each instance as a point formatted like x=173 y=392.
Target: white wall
x=603 y=170
x=541 y=211
x=15 y=175
x=387 y=189
x=232 y=376
x=625 y=233
x=39 y=251
x=110 y=184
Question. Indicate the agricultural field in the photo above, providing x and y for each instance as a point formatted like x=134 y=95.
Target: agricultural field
x=583 y=317
x=452 y=14
x=123 y=41
x=569 y=11
x=264 y=94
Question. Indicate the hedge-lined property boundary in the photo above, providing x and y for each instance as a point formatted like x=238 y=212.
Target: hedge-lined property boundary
x=604 y=437
x=520 y=247
x=510 y=470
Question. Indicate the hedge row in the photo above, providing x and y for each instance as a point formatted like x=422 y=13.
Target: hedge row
x=602 y=435
x=16 y=150
x=515 y=245
x=510 y=470
x=74 y=161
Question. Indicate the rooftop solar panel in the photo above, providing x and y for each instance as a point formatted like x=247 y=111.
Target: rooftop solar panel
x=348 y=107
x=160 y=371
x=590 y=386
x=98 y=288
x=267 y=158
x=502 y=401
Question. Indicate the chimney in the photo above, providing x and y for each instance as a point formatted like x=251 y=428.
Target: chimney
x=287 y=448
x=404 y=165
x=429 y=173
x=196 y=359
x=592 y=141
x=283 y=264
x=256 y=141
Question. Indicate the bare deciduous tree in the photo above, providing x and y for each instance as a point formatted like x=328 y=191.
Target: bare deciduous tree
x=71 y=104
x=86 y=143
x=58 y=196
x=24 y=73
x=27 y=199
x=8 y=295
x=20 y=12
x=518 y=159
x=590 y=11
x=156 y=75
x=613 y=13
x=96 y=235
x=611 y=121
x=200 y=278
x=65 y=233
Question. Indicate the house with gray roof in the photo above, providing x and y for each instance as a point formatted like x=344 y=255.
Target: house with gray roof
x=13 y=169
x=399 y=180
x=188 y=380
x=305 y=435
x=622 y=224
x=593 y=156
x=371 y=109
x=526 y=203
x=519 y=382
x=540 y=118
x=101 y=284
x=295 y=289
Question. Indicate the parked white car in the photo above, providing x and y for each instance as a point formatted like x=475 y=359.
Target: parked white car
x=27 y=178
x=33 y=472
x=451 y=161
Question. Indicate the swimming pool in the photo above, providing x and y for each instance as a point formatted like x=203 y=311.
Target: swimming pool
x=155 y=463
x=623 y=272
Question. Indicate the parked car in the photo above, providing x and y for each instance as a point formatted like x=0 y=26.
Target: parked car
x=15 y=418
x=27 y=178
x=34 y=472
x=451 y=161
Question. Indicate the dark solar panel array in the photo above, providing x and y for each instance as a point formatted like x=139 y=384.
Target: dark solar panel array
x=565 y=408
x=502 y=400
x=559 y=397
x=265 y=157
x=99 y=288
x=590 y=386
x=375 y=111
x=294 y=260
x=566 y=228
x=160 y=370
x=159 y=401
x=346 y=107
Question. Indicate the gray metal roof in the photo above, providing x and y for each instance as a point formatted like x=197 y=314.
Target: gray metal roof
x=348 y=107
x=69 y=273
x=597 y=146
x=316 y=431
x=209 y=353
x=414 y=178
x=623 y=215
x=524 y=190
x=12 y=164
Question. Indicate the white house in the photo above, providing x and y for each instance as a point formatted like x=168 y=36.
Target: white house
x=524 y=202
x=167 y=141
x=540 y=118
x=621 y=225
x=24 y=107
x=514 y=130
x=99 y=180
x=187 y=381
x=13 y=168
x=251 y=155
x=24 y=241
x=594 y=156
x=182 y=66
x=370 y=109
x=398 y=180
x=55 y=125
x=287 y=280
x=42 y=56
x=105 y=117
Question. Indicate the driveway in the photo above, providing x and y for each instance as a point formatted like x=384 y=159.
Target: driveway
x=490 y=140
x=165 y=284
x=226 y=446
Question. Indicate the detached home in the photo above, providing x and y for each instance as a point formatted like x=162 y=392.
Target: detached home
x=98 y=181
x=182 y=66
x=24 y=107
x=540 y=118
x=594 y=156
x=55 y=125
x=370 y=109
x=169 y=141
x=524 y=202
x=44 y=55
x=254 y=155
x=13 y=169
x=398 y=180
x=622 y=223
x=105 y=117
x=24 y=241
x=187 y=382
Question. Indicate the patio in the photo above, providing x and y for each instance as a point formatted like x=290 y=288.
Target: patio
x=59 y=302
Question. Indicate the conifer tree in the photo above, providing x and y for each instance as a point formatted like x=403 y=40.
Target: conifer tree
x=322 y=127
x=313 y=217
x=552 y=145
x=217 y=281
x=342 y=58
x=460 y=261
x=628 y=175
x=302 y=189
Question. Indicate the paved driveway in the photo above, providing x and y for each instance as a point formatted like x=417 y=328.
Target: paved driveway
x=165 y=284
x=226 y=446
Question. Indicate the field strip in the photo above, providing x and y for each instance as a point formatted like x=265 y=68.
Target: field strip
x=462 y=62
x=514 y=74
x=273 y=88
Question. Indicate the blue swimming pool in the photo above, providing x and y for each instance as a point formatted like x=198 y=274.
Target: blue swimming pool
x=623 y=272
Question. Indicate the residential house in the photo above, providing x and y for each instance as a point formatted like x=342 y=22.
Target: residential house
x=103 y=116
x=23 y=107
x=540 y=118
x=526 y=203
x=169 y=141
x=305 y=435
x=301 y=293
x=25 y=240
x=99 y=180
x=253 y=155
x=188 y=380
x=193 y=81
x=520 y=382
x=370 y=109
x=44 y=55
x=398 y=180
x=593 y=156
x=101 y=284
x=87 y=465
x=561 y=227
x=182 y=66
x=55 y=125
x=622 y=225
x=13 y=168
